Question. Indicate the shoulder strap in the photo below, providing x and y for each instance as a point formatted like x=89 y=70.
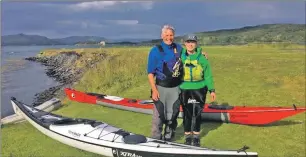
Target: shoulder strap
x=199 y=50
x=160 y=48
x=183 y=53
x=174 y=45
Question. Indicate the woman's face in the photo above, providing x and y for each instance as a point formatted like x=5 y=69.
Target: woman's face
x=190 y=45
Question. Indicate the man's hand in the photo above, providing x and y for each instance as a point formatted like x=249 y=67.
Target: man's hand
x=205 y=54
x=213 y=96
x=155 y=95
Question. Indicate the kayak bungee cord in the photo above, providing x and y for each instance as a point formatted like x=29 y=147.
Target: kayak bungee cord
x=123 y=133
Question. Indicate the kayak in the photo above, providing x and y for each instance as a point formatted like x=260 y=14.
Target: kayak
x=107 y=140
x=221 y=113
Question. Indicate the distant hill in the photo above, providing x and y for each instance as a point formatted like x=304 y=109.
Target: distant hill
x=23 y=39
x=292 y=33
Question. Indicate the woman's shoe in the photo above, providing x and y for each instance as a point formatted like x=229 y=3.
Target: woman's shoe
x=196 y=142
x=188 y=141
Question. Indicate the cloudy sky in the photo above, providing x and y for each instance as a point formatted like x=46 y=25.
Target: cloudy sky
x=141 y=19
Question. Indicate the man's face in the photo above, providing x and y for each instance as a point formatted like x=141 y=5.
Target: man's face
x=190 y=45
x=168 y=36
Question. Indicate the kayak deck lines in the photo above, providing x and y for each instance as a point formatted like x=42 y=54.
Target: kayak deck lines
x=117 y=133
x=124 y=133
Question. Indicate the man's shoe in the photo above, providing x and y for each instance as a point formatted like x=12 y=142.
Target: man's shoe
x=169 y=134
x=196 y=142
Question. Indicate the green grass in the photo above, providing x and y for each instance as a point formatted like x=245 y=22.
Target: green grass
x=245 y=75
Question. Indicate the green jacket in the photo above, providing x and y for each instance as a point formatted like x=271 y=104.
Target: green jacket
x=205 y=72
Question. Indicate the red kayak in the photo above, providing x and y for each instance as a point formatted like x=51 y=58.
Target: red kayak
x=222 y=113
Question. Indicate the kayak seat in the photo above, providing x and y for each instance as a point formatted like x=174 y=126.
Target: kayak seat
x=221 y=107
x=93 y=123
x=134 y=139
x=132 y=100
x=65 y=121
x=47 y=121
x=72 y=121
x=100 y=96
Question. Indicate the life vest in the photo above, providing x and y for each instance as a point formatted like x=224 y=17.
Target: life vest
x=171 y=73
x=193 y=70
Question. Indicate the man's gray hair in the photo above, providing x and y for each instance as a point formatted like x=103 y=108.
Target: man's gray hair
x=169 y=27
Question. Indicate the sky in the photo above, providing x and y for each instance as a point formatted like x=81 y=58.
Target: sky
x=141 y=19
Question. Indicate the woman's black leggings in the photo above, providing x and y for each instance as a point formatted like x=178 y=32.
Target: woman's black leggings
x=193 y=102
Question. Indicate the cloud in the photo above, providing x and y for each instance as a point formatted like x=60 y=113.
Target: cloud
x=97 y=24
x=256 y=9
x=118 y=19
x=109 y=28
x=96 y=5
x=250 y=11
x=122 y=22
x=82 y=24
x=111 y=5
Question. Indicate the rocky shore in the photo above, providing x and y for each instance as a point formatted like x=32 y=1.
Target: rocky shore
x=63 y=68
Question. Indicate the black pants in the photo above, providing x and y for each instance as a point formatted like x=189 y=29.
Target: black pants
x=193 y=103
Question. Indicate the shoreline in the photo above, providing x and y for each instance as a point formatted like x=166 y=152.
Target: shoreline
x=62 y=68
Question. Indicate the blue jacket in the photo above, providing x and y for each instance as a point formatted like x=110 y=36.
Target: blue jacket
x=156 y=58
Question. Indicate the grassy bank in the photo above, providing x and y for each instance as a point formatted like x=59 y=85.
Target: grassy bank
x=249 y=75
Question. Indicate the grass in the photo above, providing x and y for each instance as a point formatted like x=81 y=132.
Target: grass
x=245 y=75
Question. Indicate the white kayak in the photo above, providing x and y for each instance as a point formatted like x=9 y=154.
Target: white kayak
x=104 y=139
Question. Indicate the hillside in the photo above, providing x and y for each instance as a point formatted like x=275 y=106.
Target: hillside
x=23 y=39
x=291 y=33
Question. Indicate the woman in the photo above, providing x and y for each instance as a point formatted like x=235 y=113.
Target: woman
x=197 y=81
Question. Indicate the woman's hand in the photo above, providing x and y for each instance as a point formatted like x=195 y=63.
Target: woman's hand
x=205 y=54
x=213 y=96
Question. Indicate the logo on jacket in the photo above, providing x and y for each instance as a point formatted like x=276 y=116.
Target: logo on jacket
x=190 y=101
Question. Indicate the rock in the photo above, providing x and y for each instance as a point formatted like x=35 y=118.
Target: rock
x=62 y=68
x=46 y=95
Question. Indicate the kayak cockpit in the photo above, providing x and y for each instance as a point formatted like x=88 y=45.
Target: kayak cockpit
x=221 y=107
x=99 y=96
x=73 y=121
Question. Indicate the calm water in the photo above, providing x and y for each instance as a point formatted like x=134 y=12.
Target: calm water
x=20 y=78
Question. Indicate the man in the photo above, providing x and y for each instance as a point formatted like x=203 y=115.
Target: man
x=197 y=81
x=163 y=63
